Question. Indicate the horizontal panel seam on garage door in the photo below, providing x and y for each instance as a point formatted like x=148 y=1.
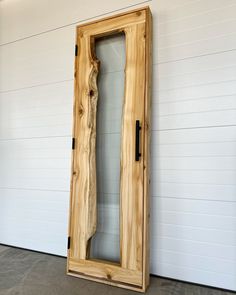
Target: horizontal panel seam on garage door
x=76 y=23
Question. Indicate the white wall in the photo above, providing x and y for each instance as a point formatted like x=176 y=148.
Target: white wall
x=193 y=140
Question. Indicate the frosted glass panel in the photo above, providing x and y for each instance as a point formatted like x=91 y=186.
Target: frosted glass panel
x=111 y=53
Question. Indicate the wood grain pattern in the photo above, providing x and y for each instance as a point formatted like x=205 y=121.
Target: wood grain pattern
x=105 y=270
x=146 y=153
x=84 y=164
x=131 y=194
x=133 y=270
x=115 y=24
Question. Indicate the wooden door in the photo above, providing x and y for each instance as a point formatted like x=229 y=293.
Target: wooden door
x=132 y=271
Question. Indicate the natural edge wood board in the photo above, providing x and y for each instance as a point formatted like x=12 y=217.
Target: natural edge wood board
x=133 y=270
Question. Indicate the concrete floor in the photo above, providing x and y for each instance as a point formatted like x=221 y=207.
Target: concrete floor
x=25 y=272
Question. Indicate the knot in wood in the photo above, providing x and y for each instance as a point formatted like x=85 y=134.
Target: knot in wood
x=81 y=111
x=91 y=93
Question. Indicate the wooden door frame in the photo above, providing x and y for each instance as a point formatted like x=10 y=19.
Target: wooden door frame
x=131 y=273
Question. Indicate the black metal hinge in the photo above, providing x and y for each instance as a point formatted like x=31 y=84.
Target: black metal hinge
x=73 y=143
x=76 y=50
x=68 y=243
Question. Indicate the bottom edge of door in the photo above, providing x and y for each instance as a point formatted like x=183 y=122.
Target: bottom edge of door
x=107 y=282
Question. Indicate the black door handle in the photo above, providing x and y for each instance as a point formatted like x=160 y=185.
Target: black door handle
x=137 y=133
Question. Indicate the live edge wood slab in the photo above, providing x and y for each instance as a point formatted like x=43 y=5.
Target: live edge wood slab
x=133 y=270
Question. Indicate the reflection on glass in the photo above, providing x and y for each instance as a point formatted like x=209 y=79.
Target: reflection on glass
x=111 y=53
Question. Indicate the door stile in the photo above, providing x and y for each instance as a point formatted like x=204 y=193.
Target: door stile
x=132 y=170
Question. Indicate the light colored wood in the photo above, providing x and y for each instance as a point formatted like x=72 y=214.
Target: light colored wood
x=146 y=153
x=105 y=270
x=133 y=270
x=114 y=24
x=84 y=163
x=131 y=186
x=107 y=282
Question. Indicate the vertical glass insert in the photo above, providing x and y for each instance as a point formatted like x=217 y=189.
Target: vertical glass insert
x=110 y=51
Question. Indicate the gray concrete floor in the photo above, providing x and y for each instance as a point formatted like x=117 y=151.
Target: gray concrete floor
x=25 y=272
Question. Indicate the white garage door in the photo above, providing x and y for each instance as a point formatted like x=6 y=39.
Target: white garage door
x=193 y=221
